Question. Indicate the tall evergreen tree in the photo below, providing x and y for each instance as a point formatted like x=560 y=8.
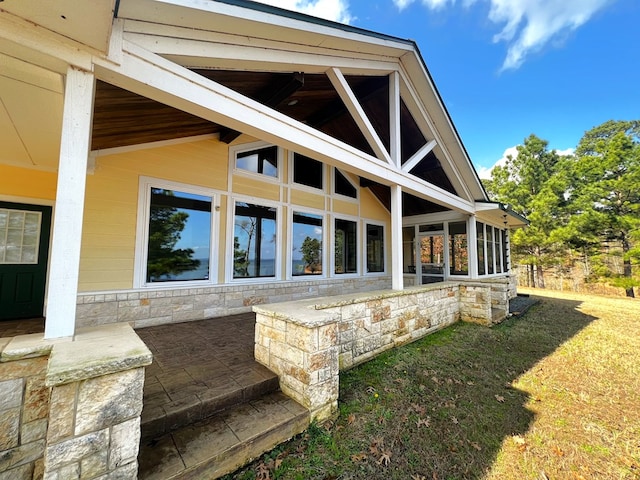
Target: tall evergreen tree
x=533 y=184
x=605 y=192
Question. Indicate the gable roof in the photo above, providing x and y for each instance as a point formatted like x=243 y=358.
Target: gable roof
x=214 y=37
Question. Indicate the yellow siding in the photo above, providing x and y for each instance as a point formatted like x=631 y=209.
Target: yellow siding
x=255 y=188
x=371 y=208
x=307 y=199
x=345 y=208
x=25 y=182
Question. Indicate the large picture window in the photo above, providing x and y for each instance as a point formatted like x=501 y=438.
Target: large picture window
x=179 y=236
x=254 y=241
x=458 y=251
x=260 y=160
x=375 y=248
x=346 y=241
x=307 y=244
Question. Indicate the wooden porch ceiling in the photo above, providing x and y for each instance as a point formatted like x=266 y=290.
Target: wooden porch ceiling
x=122 y=118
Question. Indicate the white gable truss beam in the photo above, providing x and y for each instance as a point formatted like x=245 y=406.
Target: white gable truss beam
x=356 y=111
x=428 y=129
x=150 y=75
x=417 y=157
x=395 y=131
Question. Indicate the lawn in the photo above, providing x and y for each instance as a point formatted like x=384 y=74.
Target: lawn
x=552 y=394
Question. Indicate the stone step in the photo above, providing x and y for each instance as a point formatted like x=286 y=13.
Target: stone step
x=224 y=442
x=158 y=420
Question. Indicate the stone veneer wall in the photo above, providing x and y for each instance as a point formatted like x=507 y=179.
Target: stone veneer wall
x=308 y=342
x=156 y=306
x=71 y=409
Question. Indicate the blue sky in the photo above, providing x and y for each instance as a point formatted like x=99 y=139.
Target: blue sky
x=509 y=68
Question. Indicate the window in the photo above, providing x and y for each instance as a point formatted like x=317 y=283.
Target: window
x=342 y=185
x=505 y=259
x=496 y=250
x=481 y=251
x=307 y=171
x=346 y=258
x=375 y=248
x=408 y=249
x=254 y=241
x=458 y=252
x=307 y=244
x=490 y=256
x=19 y=236
x=178 y=236
x=261 y=160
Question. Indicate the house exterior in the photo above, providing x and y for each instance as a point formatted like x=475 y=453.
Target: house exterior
x=172 y=160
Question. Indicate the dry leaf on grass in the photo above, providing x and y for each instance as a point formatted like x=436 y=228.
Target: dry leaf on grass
x=359 y=457
x=499 y=398
x=351 y=418
x=262 y=472
x=423 y=422
x=385 y=458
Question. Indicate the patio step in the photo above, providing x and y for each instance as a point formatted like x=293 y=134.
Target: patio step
x=224 y=442
x=201 y=402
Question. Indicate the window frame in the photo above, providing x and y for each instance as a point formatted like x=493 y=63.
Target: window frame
x=302 y=186
x=325 y=240
x=231 y=217
x=365 y=253
x=145 y=185
x=340 y=196
x=234 y=150
x=332 y=238
x=449 y=241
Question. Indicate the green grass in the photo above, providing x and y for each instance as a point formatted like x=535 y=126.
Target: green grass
x=554 y=393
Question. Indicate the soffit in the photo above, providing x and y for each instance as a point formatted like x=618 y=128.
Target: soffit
x=86 y=22
x=31 y=101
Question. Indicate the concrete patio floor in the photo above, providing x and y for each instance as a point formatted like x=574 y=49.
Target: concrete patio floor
x=199 y=368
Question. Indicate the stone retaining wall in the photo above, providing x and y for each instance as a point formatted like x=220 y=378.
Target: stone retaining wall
x=73 y=408
x=147 y=307
x=308 y=342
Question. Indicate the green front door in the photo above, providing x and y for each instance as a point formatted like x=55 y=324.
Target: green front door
x=24 y=248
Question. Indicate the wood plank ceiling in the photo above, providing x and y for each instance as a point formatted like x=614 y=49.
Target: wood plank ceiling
x=122 y=118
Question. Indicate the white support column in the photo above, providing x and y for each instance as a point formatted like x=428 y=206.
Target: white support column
x=397 y=279
x=394 y=119
x=472 y=245
x=67 y=225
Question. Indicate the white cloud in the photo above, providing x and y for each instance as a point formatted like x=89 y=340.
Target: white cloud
x=529 y=25
x=485 y=172
x=566 y=151
x=336 y=10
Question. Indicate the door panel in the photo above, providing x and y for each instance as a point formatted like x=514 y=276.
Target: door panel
x=24 y=248
x=432 y=258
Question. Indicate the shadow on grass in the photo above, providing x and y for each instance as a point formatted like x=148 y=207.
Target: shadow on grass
x=439 y=408
x=443 y=406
